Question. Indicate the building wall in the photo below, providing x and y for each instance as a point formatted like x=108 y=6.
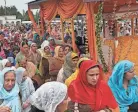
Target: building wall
x=9 y=19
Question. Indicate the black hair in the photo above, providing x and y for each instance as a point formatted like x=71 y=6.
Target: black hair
x=68 y=46
x=15 y=48
x=24 y=43
x=93 y=67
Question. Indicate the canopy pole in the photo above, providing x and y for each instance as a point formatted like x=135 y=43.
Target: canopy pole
x=132 y=25
x=62 y=30
x=73 y=35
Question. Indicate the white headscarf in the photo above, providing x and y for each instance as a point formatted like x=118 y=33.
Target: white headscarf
x=19 y=74
x=4 y=62
x=49 y=96
x=44 y=44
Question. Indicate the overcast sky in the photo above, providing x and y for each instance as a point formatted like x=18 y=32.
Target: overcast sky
x=20 y=4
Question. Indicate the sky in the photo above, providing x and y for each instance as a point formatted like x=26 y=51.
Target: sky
x=20 y=4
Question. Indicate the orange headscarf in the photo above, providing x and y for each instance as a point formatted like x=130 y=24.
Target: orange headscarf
x=99 y=97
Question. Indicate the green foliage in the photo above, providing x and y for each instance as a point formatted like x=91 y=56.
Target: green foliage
x=25 y=16
x=12 y=10
x=37 y=16
x=98 y=39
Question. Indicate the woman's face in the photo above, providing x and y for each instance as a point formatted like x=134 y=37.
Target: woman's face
x=62 y=107
x=130 y=74
x=9 y=81
x=93 y=76
x=23 y=63
x=24 y=76
x=67 y=50
x=15 y=52
x=34 y=47
x=25 y=48
x=8 y=64
x=75 y=61
x=69 y=41
x=46 y=49
x=60 y=52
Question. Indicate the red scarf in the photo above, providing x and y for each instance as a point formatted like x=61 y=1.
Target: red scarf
x=99 y=97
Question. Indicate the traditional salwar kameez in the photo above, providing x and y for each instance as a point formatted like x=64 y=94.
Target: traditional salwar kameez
x=10 y=98
x=124 y=97
x=95 y=98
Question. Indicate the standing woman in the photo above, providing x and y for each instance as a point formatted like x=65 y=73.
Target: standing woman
x=124 y=86
x=89 y=93
x=56 y=62
x=9 y=90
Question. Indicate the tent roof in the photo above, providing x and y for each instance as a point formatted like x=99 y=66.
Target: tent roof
x=35 y=4
x=121 y=5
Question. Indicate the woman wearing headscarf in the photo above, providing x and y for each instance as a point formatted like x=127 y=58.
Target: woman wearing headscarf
x=29 y=66
x=35 y=56
x=24 y=51
x=56 y=62
x=12 y=54
x=124 y=85
x=26 y=88
x=45 y=49
x=75 y=74
x=31 y=69
x=9 y=90
x=36 y=39
x=50 y=97
x=67 y=49
x=2 y=53
x=44 y=63
x=69 y=66
x=89 y=93
x=4 y=63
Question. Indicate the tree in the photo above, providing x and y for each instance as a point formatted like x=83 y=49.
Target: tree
x=2 y=12
x=19 y=15
x=37 y=16
x=25 y=16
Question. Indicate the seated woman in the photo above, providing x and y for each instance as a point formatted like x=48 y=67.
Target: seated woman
x=44 y=63
x=34 y=55
x=50 y=97
x=9 y=90
x=69 y=66
x=5 y=63
x=56 y=62
x=24 y=51
x=88 y=93
x=30 y=68
x=124 y=85
x=67 y=49
x=26 y=88
x=75 y=74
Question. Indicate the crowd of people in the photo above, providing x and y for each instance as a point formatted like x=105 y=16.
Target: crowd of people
x=42 y=74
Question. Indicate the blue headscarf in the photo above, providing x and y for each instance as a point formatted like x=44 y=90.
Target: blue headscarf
x=116 y=84
x=10 y=99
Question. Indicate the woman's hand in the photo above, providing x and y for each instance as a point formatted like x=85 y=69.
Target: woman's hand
x=25 y=105
x=5 y=109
